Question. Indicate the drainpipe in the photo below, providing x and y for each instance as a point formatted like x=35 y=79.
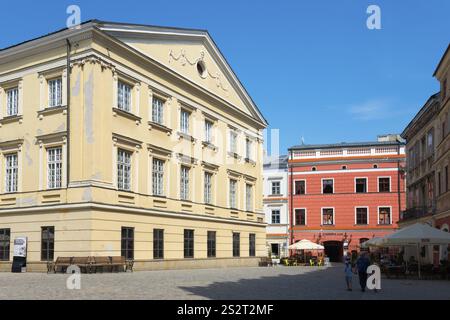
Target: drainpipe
x=291 y=222
x=398 y=185
x=69 y=47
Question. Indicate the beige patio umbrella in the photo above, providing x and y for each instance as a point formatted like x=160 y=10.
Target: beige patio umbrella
x=374 y=242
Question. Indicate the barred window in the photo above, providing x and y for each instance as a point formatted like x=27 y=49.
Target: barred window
x=54 y=168
x=252 y=245
x=12 y=102
x=11 y=172
x=158 y=177
x=5 y=238
x=233 y=184
x=47 y=243
x=124 y=96
x=208 y=131
x=236 y=244
x=184 y=183
x=158 y=244
x=55 y=92
x=208 y=187
x=184 y=121
x=211 y=244
x=249 y=197
x=158 y=110
x=124 y=170
x=188 y=243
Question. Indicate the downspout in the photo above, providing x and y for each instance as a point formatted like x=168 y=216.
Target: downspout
x=69 y=47
x=398 y=185
x=291 y=220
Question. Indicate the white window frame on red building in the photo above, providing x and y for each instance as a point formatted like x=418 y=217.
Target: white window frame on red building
x=299 y=194
x=306 y=217
x=321 y=216
x=367 y=184
x=378 y=215
x=368 y=215
x=321 y=186
x=390 y=183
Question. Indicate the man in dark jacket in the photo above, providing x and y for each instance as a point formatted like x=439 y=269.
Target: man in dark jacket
x=362 y=264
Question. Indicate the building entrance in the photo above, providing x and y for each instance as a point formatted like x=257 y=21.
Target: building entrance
x=334 y=250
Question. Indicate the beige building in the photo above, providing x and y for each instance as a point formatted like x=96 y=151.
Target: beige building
x=121 y=139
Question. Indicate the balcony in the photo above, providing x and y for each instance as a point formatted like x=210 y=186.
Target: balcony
x=417 y=212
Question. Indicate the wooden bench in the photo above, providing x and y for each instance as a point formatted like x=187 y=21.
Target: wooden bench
x=61 y=262
x=100 y=262
x=118 y=263
x=84 y=263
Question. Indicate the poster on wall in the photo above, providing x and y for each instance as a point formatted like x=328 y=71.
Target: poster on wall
x=20 y=254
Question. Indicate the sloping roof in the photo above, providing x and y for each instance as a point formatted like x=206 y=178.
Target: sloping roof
x=102 y=26
x=442 y=60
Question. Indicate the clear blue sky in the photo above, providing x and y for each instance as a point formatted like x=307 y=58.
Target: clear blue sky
x=312 y=67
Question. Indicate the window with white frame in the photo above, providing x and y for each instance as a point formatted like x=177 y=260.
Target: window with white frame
x=248 y=149
x=276 y=217
x=249 y=197
x=300 y=217
x=158 y=177
x=12 y=102
x=362 y=216
x=327 y=186
x=327 y=216
x=233 y=185
x=208 y=131
x=123 y=170
x=384 y=184
x=361 y=185
x=184 y=183
x=276 y=187
x=208 y=187
x=123 y=96
x=54 y=168
x=384 y=215
x=12 y=170
x=233 y=141
x=184 y=121
x=300 y=187
x=158 y=110
x=55 y=92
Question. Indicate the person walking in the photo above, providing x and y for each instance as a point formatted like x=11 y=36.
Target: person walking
x=348 y=273
x=362 y=264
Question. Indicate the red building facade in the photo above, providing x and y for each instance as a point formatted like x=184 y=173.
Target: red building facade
x=344 y=194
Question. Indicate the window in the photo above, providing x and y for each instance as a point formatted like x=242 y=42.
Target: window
x=430 y=143
x=236 y=244
x=124 y=96
x=252 y=245
x=158 y=244
x=327 y=186
x=300 y=187
x=184 y=121
x=439 y=184
x=446 y=178
x=158 y=177
x=276 y=189
x=47 y=243
x=158 y=110
x=313 y=169
x=208 y=131
x=233 y=184
x=300 y=217
x=5 y=239
x=55 y=92
x=12 y=102
x=276 y=216
x=328 y=216
x=124 y=170
x=375 y=166
x=248 y=149
x=127 y=243
x=11 y=172
x=344 y=167
x=211 y=239
x=275 y=249
x=444 y=129
x=208 y=187
x=233 y=142
x=361 y=185
x=249 y=197
x=361 y=216
x=384 y=184
x=54 y=168
x=188 y=243
x=384 y=215
x=184 y=183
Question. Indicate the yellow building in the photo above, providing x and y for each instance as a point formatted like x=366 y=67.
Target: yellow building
x=121 y=139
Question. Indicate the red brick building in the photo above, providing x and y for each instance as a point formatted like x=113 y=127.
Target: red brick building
x=344 y=194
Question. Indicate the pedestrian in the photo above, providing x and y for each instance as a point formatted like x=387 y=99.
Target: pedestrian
x=362 y=264
x=348 y=273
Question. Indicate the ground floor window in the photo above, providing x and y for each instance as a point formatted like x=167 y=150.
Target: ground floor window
x=188 y=243
x=5 y=236
x=127 y=245
x=236 y=244
x=158 y=244
x=252 y=245
x=47 y=243
x=211 y=244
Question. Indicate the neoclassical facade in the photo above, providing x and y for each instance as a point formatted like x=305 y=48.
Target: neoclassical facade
x=121 y=139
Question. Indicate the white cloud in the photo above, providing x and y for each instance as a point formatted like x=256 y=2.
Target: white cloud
x=373 y=110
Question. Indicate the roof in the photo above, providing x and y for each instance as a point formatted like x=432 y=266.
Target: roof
x=442 y=60
x=279 y=162
x=345 y=145
x=99 y=25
